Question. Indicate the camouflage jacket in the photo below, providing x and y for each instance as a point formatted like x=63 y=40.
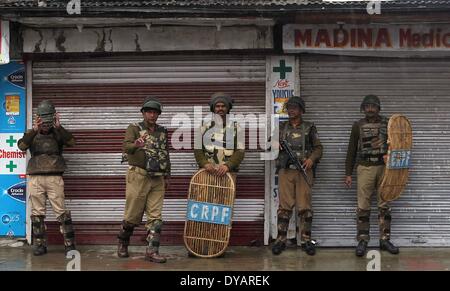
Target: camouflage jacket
x=222 y=147
x=46 y=150
x=154 y=156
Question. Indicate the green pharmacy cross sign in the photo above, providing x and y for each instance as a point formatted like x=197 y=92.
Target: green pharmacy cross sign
x=11 y=141
x=282 y=69
x=11 y=166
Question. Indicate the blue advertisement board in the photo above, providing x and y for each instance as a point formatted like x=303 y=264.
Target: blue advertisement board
x=12 y=205
x=12 y=97
x=12 y=160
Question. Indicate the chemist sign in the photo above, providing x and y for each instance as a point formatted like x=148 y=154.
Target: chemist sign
x=12 y=160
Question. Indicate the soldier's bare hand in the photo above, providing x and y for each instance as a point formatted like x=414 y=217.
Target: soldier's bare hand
x=37 y=124
x=385 y=157
x=210 y=168
x=166 y=183
x=57 y=121
x=139 y=142
x=348 y=181
x=222 y=170
x=308 y=163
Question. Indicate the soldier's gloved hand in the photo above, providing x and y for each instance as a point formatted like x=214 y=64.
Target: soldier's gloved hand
x=222 y=170
x=308 y=163
x=348 y=181
x=210 y=168
x=139 y=142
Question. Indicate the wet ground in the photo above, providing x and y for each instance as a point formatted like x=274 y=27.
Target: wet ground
x=236 y=259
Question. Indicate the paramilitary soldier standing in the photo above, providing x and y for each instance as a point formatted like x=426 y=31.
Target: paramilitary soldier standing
x=367 y=148
x=45 y=169
x=303 y=139
x=147 y=150
x=225 y=152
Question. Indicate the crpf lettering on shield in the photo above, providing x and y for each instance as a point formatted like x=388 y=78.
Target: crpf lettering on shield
x=208 y=212
x=399 y=159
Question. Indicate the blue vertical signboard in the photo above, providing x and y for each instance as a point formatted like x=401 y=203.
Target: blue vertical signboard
x=12 y=160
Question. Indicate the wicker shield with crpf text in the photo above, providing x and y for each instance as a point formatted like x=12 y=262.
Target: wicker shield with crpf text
x=209 y=214
x=399 y=157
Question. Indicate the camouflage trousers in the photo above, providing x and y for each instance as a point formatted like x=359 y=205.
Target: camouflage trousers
x=369 y=180
x=294 y=192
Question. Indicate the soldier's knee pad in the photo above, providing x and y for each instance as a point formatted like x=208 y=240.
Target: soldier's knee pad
x=362 y=212
x=384 y=213
x=156 y=226
x=306 y=214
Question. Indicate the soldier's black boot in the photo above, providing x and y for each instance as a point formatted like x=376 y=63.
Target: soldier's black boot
x=39 y=237
x=122 y=250
x=278 y=247
x=125 y=233
x=309 y=247
x=361 y=248
x=39 y=250
x=386 y=245
x=384 y=217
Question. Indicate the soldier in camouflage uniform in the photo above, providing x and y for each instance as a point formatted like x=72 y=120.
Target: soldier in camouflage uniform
x=147 y=150
x=224 y=151
x=304 y=141
x=45 y=169
x=367 y=148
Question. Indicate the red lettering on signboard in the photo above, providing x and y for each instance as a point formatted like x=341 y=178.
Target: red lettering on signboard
x=283 y=83
x=383 y=37
x=340 y=37
x=300 y=37
x=322 y=37
x=405 y=37
x=365 y=36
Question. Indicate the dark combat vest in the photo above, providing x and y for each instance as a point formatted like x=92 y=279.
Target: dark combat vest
x=46 y=155
x=372 y=143
x=299 y=140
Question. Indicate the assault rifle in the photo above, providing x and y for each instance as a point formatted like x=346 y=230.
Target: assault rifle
x=295 y=161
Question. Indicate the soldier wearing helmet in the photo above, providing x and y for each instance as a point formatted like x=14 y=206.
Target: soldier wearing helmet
x=304 y=141
x=45 y=168
x=223 y=151
x=146 y=149
x=367 y=148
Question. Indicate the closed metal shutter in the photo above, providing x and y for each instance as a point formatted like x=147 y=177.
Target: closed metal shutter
x=99 y=98
x=333 y=88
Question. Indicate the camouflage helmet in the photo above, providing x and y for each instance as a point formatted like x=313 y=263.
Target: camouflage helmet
x=370 y=99
x=296 y=100
x=221 y=97
x=153 y=103
x=46 y=111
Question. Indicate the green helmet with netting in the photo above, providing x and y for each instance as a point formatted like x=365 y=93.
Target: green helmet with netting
x=370 y=99
x=46 y=111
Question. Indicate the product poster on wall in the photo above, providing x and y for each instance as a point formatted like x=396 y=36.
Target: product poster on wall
x=12 y=160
